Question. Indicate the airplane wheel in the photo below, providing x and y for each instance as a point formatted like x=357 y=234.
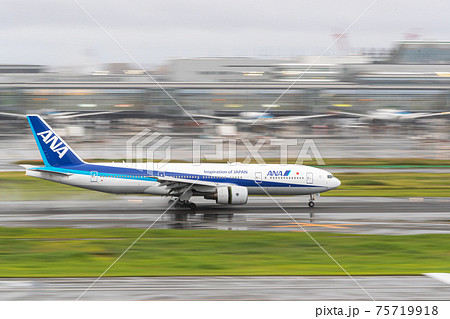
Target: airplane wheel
x=177 y=205
x=192 y=206
x=311 y=204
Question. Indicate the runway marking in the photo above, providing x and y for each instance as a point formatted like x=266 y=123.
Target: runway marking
x=442 y=277
x=139 y=201
x=315 y=225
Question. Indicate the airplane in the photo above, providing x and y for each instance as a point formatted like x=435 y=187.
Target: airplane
x=260 y=118
x=227 y=184
x=391 y=115
x=63 y=114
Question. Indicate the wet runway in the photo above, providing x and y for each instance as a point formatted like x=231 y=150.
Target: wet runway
x=397 y=216
x=227 y=288
x=358 y=215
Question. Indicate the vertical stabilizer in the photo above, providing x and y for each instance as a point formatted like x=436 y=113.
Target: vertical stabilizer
x=54 y=151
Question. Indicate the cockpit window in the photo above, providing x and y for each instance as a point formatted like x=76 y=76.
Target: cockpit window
x=330 y=176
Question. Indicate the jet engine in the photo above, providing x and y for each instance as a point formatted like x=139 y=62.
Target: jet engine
x=231 y=195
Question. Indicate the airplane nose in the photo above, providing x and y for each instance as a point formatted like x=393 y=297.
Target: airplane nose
x=336 y=182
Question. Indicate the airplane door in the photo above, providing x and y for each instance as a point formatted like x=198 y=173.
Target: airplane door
x=309 y=178
x=258 y=177
x=94 y=176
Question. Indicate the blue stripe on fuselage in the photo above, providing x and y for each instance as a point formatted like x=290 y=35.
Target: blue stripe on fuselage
x=132 y=173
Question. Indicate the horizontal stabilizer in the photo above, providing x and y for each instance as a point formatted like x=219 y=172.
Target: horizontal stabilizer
x=49 y=171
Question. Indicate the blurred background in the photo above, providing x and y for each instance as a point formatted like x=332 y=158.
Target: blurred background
x=383 y=82
x=383 y=102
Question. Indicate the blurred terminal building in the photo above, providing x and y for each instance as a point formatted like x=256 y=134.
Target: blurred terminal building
x=414 y=76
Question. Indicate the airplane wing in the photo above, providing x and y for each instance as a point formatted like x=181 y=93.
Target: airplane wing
x=296 y=118
x=179 y=185
x=263 y=120
x=12 y=114
x=63 y=115
x=70 y=115
x=422 y=115
x=354 y=114
x=403 y=116
x=223 y=118
x=171 y=180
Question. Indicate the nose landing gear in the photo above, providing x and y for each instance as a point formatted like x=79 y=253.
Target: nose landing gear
x=311 y=200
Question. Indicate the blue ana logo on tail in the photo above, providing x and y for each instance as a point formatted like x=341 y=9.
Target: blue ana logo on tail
x=50 y=137
x=54 y=151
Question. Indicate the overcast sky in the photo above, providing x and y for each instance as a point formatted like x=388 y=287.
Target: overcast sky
x=58 y=32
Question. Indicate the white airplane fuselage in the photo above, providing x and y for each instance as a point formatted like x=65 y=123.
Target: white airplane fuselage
x=225 y=183
x=275 y=179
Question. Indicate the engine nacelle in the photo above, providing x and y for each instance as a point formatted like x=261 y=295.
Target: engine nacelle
x=232 y=195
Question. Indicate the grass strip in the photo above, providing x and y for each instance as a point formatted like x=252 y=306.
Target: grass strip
x=61 y=252
x=392 y=185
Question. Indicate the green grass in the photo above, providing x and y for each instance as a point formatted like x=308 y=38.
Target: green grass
x=88 y=252
x=17 y=186
x=392 y=184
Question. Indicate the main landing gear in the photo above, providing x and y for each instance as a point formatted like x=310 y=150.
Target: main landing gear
x=185 y=204
x=311 y=200
x=183 y=201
